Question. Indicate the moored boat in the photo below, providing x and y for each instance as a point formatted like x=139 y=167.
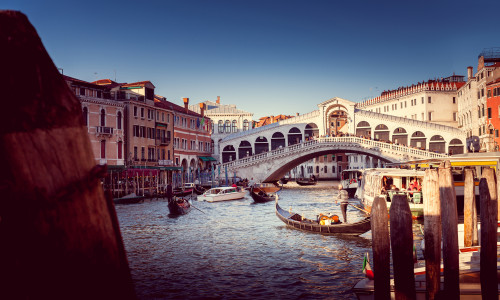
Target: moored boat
x=222 y=194
x=178 y=206
x=297 y=221
x=306 y=182
x=259 y=195
x=388 y=182
x=129 y=199
x=198 y=189
x=350 y=180
x=181 y=192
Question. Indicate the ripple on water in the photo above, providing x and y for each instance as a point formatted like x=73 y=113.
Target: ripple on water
x=239 y=249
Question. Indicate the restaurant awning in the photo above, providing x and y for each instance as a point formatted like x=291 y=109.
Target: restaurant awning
x=207 y=158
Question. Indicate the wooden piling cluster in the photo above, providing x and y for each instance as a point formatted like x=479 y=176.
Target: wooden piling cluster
x=59 y=234
x=440 y=225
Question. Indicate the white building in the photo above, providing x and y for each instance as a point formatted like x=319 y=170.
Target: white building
x=226 y=120
x=472 y=103
x=432 y=101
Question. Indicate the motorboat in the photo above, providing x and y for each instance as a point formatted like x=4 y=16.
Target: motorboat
x=222 y=194
x=388 y=182
x=350 y=180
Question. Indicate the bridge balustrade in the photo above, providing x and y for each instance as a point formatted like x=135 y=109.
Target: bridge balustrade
x=350 y=141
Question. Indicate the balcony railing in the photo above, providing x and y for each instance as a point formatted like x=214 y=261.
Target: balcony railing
x=104 y=130
x=165 y=162
x=162 y=141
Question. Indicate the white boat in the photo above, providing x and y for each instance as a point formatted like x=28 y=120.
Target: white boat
x=397 y=181
x=222 y=194
x=350 y=180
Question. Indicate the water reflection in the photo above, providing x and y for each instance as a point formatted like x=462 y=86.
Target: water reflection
x=238 y=249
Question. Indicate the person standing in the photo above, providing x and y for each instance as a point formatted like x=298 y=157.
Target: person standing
x=170 y=193
x=343 y=197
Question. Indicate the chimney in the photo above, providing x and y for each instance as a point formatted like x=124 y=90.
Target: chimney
x=469 y=72
x=272 y=119
x=186 y=103
x=297 y=114
x=218 y=100
x=202 y=109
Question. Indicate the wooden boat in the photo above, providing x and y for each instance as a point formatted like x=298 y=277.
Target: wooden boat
x=284 y=180
x=261 y=196
x=267 y=187
x=222 y=194
x=129 y=199
x=349 y=180
x=298 y=222
x=469 y=279
x=182 y=192
x=306 y=182
x=179 y=206
x=198 y=189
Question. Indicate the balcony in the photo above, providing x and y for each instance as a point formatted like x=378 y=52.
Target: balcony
x=101 y=130
x=162 y=141
x=164 y=162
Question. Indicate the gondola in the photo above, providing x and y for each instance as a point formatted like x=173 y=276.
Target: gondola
x=129 y=199
x=298 y=222
x=261 y=196
x=284 y=180
x=179 y=206
x=197 y=189
x=182 y=193
x=306 y=182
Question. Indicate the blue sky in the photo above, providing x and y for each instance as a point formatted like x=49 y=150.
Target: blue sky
x=267 y=57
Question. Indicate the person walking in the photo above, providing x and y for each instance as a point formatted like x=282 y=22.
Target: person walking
x=343 y=197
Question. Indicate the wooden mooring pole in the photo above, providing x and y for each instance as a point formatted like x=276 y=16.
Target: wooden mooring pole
x=402 y=248
x=470 y=210
x=381 y=249
x=488 y=255
x=432 y=233
x=449 y=218
x=59 y=235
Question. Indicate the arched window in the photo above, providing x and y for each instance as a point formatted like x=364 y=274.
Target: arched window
x=333 y=169
x=235 y=128
x=119 y=120
x=227 y=125
x=103 y=117
x=317 y=169
x=85 y=116
x=221 y=126
x=120 y=149
x=245 y=125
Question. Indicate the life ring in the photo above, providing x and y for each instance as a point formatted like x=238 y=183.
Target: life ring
x=353 y=181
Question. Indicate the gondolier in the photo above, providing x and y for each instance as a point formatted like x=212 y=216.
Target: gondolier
x=170 y=193
x=343 y=197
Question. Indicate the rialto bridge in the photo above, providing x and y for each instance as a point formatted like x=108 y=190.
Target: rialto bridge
x=267 y=153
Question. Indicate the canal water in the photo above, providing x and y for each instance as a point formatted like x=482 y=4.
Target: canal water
x=241 y=250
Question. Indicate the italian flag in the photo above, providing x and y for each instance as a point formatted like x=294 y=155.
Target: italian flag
x=367 y=269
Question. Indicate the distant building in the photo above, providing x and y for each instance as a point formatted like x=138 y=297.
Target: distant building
x=493 y=109
x=104 y=119
x=226 y=119
x=269 y=120
x=431 y=101
x=473 y=102
x=192 y=138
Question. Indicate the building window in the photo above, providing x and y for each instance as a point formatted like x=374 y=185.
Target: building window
x=82 y=92
x=430 y=116
x=422 y=100
x=454 y=116
x=119 y=120
x=103 y=117
x=245 y=125
x=317 y=169
x=454 y=100
x=489 y=112
x=142 y=112
x=428 y=99
x=135 y=153
x=496 y=133
x=339 y=158
x=235 y=129
x=85 y=116
x=221 y=126
x=333 y=169
x=120 y=145
x=143 y=153
x=135 y=111
x=227 y=126
x=103 y=149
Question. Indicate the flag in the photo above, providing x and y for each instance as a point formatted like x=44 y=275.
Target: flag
x=367 y=269
x=202 y=121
